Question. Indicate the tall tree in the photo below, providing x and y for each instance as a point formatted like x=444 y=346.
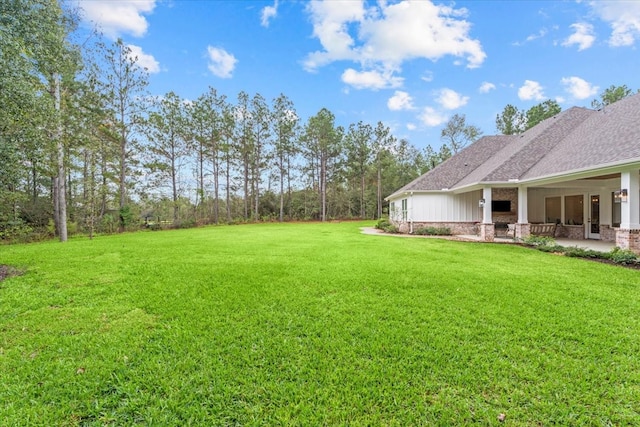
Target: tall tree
x=358 y=142
x=244 y=146
x=610 y=95
x=38 y=65
x=260 y=116
x=285 y=122
x=409 y=163
x=540 y=112
x=511 y=121
x=227 y=152
x=205 y=130
x=324 y=141
x=124 y=85
x=382 y=145
x=167 y=145
x=457 y=134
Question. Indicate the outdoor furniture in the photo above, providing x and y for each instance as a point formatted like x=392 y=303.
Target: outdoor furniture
x=511 y=231
x=500 y=229
x=546 y=229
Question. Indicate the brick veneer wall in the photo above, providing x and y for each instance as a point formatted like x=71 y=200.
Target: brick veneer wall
x=455 y=227
x=487 y=232
x=506 y=194
x=628 y=239
x=607 y=233
x=574 y=232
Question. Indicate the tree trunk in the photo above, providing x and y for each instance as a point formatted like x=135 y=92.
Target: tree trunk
x=174 y=185
x=379 y=201
x=60 y=180
x=281 y=166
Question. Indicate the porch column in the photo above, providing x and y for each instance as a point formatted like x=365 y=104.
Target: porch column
x=522 y=227
x=487 y=228
x=630 y=211
x=628 y=235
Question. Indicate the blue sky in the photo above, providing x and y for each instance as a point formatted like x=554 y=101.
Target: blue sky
x=411 y=65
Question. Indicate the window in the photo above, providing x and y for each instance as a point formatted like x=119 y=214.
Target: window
x=616 y=213
x=573 y=210
x=552 y=210
x=404 y=209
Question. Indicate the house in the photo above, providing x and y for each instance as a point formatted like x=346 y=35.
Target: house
x=578 y=170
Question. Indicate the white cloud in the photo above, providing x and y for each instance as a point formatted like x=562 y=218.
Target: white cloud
x=486 y=87
x=543 y=32
x=427 y=77
x=530 y=90
x=269 y=12
x=144 y=60
x=451 y=100
x=411 y=126
x=389 y=34
x=583 y=36
x=579 y=88
x=371 y=79
x=115 y=18
x=624 y=18
x=430 y=117
x=330 y=26
x=400 y=101
x=221 y=63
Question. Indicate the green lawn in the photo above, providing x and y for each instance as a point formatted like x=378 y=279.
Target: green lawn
x=313 y=324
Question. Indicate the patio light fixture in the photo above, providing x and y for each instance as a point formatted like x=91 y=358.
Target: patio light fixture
x=481 y=203
x=621 y=196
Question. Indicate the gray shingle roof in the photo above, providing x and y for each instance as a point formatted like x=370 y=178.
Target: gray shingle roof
x=450 y=172
x=576 y=139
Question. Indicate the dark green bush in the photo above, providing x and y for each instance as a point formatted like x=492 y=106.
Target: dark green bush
x=623 y=256
x=583 y=253
x=539 y=241
x=382 y=224
x=386 y=226
x=15 y=231
x=433 y=231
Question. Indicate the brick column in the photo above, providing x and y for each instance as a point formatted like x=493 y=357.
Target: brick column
x=487 y=232
x=628 y=239
x=523 y=230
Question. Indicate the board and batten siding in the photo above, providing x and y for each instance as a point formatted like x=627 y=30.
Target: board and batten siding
x=444 y=207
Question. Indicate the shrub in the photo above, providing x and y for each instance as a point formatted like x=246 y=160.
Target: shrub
x=126 y=217
x=107 y=224
x=538 y=241
x=623 y=256
x=185 y=223
x=583 y=253
x=382 y=224
x=433 y=231
x=386 y=226
x=553 y=248
x=15 y=231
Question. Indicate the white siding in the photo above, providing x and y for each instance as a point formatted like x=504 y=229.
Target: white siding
x=445 y=207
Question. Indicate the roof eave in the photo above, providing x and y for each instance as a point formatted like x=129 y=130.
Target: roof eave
x=603 y=169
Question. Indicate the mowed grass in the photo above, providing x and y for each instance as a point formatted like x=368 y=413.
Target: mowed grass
x=313 y=324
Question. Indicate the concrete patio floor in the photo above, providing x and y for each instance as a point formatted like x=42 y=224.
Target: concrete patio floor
x=596 y=245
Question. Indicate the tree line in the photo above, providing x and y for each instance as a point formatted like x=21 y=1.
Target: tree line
x=84 y=147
